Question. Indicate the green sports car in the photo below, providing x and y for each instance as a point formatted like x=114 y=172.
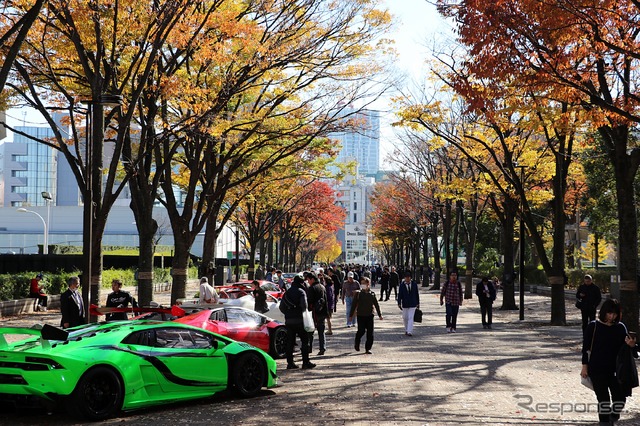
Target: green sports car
x=97 y=370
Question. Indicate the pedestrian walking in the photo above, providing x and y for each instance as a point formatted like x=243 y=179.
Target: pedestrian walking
x=384 y=284
x=349 y=288
x=364 y=302
x=486 y=292
x=327 y=282
x=317 y=298
x=408 y=301
x=293 y=302
x=451 y=293
x=603 y=340
x=588 y=297
x=36 y=291
x=394 y=281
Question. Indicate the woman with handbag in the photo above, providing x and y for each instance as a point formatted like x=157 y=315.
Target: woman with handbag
x=603 y=339
x=408 y=301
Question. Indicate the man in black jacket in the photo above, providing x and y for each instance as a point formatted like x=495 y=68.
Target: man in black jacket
x=293 y=302
x=317 y=296
x=394 y=282
x=71 y=305
x=589 y=297
x=119 y=299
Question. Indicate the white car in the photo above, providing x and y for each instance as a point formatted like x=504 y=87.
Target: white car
x=246 y=301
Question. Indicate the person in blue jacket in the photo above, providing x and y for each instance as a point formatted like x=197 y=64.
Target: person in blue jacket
x=408 y=301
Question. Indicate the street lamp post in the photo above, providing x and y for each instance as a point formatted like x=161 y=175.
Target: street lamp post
x=48 y=198
x=44 y=224
x=91 y=287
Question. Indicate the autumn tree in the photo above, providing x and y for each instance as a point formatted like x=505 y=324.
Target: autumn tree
x=582 y=54
x=313 y=214
x=80 y=52
x=16 y=23
x=259 y=109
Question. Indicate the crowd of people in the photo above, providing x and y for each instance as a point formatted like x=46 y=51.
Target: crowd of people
x=317 y=295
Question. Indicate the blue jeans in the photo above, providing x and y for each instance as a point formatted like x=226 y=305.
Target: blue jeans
x=348 y=302
x=452 y=315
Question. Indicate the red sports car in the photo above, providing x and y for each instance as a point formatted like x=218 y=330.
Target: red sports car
x=243 y=325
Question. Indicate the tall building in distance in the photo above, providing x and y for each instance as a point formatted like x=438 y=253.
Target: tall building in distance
x=362 y=145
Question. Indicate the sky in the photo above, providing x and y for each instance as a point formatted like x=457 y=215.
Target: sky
x=418 y=26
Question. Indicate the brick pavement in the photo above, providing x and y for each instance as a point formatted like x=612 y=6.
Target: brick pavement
x=518 y=373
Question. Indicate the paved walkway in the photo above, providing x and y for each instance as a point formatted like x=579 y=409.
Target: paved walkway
x=518 y=373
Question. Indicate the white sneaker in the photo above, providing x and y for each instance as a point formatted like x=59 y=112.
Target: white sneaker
x=453 y=330
x=449 y=330
x=44 y=309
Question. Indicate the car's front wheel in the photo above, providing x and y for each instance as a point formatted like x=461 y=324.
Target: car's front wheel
x=248 y=374
x=98 y=395
x=279 y=342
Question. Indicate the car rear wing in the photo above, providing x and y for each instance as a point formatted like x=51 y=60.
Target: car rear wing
x=46 y=332
x=175 y=310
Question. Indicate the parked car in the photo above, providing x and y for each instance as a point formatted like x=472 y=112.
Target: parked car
x=268 y=286
x=97 y=370
x=244 y=325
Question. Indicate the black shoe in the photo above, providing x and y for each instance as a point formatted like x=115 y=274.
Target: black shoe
x=320 y=353
x=292 y=366
x=369 y=352
x=308 y=365
x=357 y=347
x=489 y=326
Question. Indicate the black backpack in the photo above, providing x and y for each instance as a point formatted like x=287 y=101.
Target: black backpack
x=286 y=306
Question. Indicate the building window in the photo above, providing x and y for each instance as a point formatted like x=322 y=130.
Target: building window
x=355 y=205
x=355 y=218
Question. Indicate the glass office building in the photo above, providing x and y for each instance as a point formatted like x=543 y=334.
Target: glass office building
x=29 y=168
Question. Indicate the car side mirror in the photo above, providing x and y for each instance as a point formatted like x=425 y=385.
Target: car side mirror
x=215 y=345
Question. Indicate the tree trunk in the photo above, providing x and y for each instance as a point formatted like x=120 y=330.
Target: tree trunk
x=425 y=257
x=508 y=277
x=145 y=266
x=437 y=266
x=209 y=246
x=179 y=271
x=625 y=170
x=142 y=199
x=446 y=236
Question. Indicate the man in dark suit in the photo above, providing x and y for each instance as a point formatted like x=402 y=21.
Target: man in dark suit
x=71 y=305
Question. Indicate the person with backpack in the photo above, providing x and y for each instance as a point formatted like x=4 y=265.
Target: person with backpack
x=292 y=304
x=317 y=296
